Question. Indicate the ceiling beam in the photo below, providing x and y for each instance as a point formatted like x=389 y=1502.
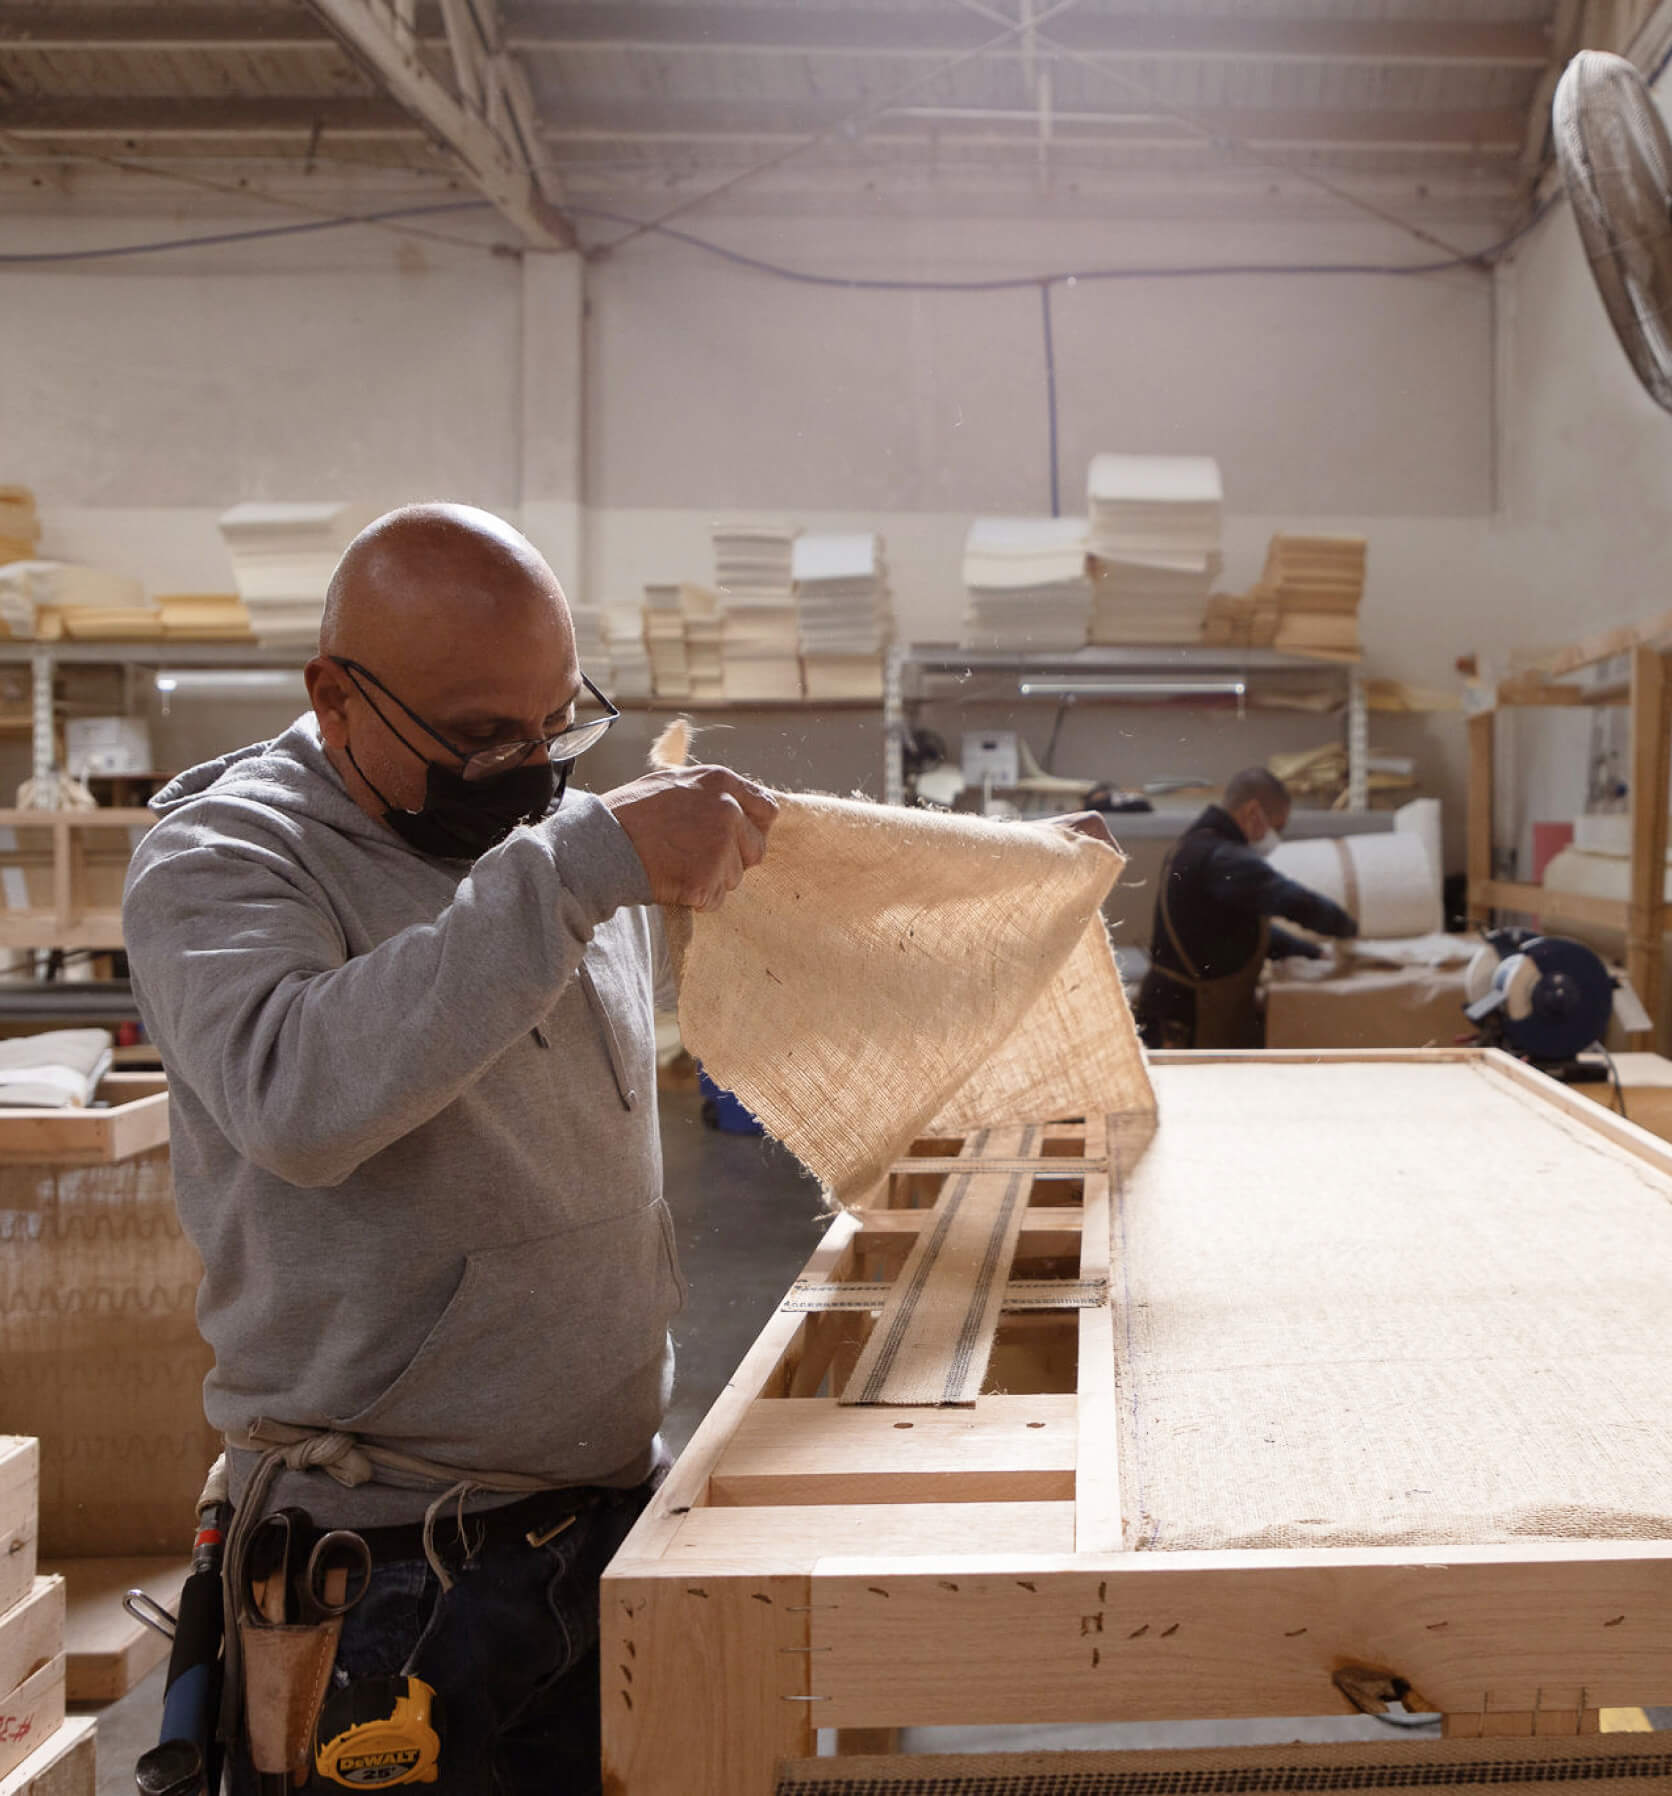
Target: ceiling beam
x=29 y=27
x=498 y=143
x=259 y=116
x=545 y=28
x=47 y=27
x=1493 y=131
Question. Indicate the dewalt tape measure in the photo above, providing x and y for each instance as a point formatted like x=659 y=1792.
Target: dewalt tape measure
x=378 y=1733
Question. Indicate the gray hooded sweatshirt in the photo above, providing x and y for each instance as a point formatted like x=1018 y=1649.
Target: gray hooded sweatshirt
x=413 y=1126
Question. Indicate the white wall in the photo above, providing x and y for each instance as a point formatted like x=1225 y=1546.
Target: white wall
x=142 y=397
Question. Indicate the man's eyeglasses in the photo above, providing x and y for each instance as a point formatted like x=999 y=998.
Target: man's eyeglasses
x=562 y=747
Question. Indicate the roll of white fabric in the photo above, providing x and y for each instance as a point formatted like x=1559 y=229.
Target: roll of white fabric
x=1386 y=881
x=1421 y=818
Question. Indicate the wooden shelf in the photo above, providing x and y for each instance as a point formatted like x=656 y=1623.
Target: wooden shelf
x=79 y=903
x=1643 y=917
x=135 y=1122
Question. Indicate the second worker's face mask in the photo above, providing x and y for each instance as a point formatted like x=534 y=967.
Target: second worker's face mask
x=460 y=819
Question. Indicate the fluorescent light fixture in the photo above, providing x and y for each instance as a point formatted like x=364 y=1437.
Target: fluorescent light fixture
x=231 y=682
x=1082 y=686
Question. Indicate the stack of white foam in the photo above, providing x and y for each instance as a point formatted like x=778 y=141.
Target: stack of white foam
x=843 y=612
x=283 y=557
x=754 y=572
x=623 y=627
x=1027 y=584
x=1156 y=524
x=664 y=637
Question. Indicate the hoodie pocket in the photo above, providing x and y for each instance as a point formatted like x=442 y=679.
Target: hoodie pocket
x=549 y=1358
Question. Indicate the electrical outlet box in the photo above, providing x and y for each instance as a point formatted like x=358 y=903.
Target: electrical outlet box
x=990 y=758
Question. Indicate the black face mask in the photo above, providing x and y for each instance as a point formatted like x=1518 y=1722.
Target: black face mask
x=460 y=819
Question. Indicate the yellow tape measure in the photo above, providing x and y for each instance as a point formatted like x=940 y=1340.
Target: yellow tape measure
x=378 y=1733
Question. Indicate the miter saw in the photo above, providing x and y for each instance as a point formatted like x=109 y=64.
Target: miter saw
x=1547 y=999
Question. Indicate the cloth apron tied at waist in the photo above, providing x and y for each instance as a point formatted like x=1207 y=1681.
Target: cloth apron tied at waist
x=1226 y=1015
x=351 y=1461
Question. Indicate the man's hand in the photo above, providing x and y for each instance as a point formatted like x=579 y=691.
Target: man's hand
x=1086 y=823
x=697 y=830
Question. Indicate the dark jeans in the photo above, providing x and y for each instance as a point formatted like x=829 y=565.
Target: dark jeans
x=511 y=1652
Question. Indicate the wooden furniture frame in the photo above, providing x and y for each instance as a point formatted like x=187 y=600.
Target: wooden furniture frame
x=73 y=919
x=809 y=1565
x=1648 y=693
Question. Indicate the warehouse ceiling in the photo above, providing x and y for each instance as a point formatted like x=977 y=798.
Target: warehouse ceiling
x=559 y=112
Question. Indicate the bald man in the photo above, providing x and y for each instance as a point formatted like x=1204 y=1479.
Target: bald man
x=402 y=981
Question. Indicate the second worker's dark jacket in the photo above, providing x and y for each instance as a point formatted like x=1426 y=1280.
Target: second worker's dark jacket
x=1219 y=895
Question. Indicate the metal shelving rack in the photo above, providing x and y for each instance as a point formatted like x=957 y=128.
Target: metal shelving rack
x=43 y=657
x=913 y=667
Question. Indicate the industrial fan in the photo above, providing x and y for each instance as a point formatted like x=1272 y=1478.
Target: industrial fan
x=1616 y=163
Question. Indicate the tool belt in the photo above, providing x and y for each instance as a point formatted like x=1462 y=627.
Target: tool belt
x=277 y=1674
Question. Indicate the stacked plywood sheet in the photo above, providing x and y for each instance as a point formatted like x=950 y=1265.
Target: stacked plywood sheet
x=203 y=616
x=591 y=649
x=1317 y=583
x=53 y=599
x=1027 y=584
x=1156 y=524
x=664 y=636
x=699 y=609
x=283 y=556
x=20 y=525
x=32 y=1613
x=623 y=627
x=1241 y=620
x=682 y=630
x=844 y=613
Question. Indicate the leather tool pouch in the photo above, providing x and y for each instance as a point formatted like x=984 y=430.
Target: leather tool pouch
x=287 y=1671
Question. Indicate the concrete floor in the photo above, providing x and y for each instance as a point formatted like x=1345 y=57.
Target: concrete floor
x=747 y=1218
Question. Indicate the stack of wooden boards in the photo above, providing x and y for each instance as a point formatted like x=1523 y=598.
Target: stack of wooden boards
x=47 y=600
x=628 y=674
x=39 y=1749
x=1306 y=602
x=20 y=525
x=682 y=629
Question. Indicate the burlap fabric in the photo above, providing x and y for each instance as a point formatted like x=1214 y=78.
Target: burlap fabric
x=1388 y=1304
x=885 y=970
x=1616 y=1764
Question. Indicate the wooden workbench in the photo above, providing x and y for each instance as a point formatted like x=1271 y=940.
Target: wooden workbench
x=1067 y=1545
